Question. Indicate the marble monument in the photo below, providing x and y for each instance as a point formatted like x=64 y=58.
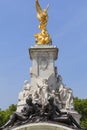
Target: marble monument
x=46 y=82
x=44 y=78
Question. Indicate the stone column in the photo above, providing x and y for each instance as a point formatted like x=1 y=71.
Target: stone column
x=43 y=61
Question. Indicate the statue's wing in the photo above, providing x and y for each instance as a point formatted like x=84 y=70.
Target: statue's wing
x=38 y=8
x=47 y=8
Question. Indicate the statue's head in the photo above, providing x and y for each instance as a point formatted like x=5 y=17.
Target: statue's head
x=25 y=82
x=59 y=78
x=29 y=100
x=53 y=91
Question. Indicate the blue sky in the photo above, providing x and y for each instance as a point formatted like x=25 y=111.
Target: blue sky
x=68 y=29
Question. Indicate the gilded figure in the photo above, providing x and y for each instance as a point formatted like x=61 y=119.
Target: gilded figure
x=43 y=37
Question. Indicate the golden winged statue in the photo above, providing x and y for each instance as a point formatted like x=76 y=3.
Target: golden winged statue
x=42 y=15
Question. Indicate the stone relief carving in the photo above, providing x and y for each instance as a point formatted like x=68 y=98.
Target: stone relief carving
x=42 y=90
x=25 y=91
x=23 y=95
x=65 y=95
x=43 y=63
x=32 y=73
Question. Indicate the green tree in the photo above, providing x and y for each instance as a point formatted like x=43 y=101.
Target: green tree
x=5 y=114
x=2 y=115
x=81 y=107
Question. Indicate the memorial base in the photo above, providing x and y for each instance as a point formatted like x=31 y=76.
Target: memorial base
x=43 y=126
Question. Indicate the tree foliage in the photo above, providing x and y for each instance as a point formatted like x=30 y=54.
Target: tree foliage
x=5 y=114
x=81 y=107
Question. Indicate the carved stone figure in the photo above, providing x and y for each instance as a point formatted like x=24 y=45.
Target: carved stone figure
x=36 y=97
x=65 y=95
x=69 y=102
x=57 y=100
x=43 y=91
x=23 y=95
x=25 y=92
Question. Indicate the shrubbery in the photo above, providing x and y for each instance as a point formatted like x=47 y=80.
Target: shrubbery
x=81 y=107
x=5 y=114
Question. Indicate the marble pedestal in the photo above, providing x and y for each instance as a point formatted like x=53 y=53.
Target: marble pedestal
x=43 y=126
x=43 y=62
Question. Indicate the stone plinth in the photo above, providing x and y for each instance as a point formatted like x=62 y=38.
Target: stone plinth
x=43 y=58
x=43 y=62
x=43 y=126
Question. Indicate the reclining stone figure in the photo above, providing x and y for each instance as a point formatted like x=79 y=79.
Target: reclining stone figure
x=28 y=110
